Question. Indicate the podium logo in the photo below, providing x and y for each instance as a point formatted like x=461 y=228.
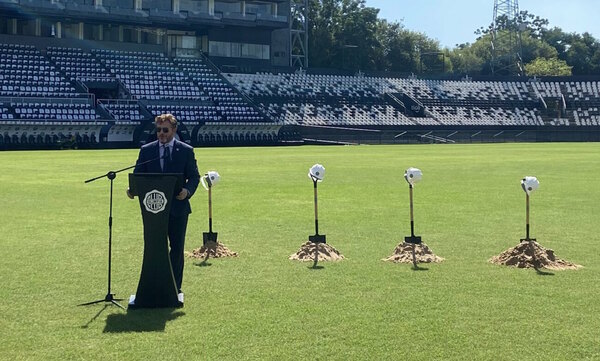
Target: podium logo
x=155 y=201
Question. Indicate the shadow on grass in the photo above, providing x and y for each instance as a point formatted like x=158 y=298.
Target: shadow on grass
x=541 y=272
x=202 y=264
x=316 y=266
x=95 y=316
x=416 y=267
x=142 y=320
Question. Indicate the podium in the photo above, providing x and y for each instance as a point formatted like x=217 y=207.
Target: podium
x=156 y=287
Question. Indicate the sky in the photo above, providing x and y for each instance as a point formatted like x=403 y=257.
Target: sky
x=454 y=22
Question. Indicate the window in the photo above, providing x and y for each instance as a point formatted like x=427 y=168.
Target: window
x=123 y=4
x=88 y=32
x=128 y=35
x=111 y=33
x=223 y=7
x=26 y=27
x=195 y=6
x=219 y=48
x=259 y=8
x=255 y=51
x=239 y=50
x=157 y=4
x=70 y=31
x=3 y=25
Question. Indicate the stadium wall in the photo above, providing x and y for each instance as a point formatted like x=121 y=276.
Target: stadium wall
x=438 y=134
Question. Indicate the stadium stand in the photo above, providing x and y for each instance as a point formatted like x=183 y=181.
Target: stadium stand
x=95 y=74
x=360 y=100
x=149 y=75
x=54 y=87
x=123 y=111
x=231 y=106
x=77 y=64
x=25 y=72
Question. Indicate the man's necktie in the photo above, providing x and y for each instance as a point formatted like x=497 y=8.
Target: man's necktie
x=166 y=157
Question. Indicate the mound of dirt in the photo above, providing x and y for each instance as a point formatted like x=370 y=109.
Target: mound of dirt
x=212 y=249
x=317 y=252
x=403 y=253
x=532 y=255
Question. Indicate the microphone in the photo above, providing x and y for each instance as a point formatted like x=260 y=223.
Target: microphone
x=164 y=156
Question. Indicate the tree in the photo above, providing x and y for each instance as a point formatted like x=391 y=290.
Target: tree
x=548 y=67
x=348 y=34
x=343 y=33
x=400 y=53
x=534 y=24
x=581 y=51
x=471 y=58
x=323 y=15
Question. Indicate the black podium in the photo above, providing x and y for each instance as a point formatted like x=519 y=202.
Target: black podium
x=156 y=287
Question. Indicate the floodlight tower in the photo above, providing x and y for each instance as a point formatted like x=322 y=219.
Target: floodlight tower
x=506 y=39
x=299 y=34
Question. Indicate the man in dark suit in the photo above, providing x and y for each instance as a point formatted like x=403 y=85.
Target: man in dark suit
x=168 y=155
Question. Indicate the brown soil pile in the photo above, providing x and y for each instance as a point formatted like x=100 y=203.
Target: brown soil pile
x=317 y=252
x=532 y=255
x=403 y=253
x=212 y=249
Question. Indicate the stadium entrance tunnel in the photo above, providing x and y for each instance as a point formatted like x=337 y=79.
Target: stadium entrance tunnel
x=215 y=134
x=50 y=135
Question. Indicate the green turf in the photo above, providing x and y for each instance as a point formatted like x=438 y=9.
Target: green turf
x=468 y=208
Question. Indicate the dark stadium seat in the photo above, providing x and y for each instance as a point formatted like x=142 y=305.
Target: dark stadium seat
x=79 y=64
x=149 y=75
x=361 y=100
x=123 y=110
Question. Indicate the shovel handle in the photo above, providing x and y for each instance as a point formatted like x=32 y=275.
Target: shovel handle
x=210 y=209
x=412 y=222
x=527 y=216
x=316 y=210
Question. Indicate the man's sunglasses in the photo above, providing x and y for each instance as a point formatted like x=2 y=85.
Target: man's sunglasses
x=164 y=130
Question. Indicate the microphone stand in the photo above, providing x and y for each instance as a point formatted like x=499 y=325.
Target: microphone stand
x=111 y=175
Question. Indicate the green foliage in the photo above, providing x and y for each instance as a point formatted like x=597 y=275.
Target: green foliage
x=343 y=32
x=347 y=34
x=534 y=48
x=534 y=24
x=261 y=306
x=473 y=58
x=548 y=67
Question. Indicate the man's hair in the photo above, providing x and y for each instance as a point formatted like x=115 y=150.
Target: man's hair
x=166 y=118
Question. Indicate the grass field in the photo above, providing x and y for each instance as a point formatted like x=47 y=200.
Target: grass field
x=468 y=208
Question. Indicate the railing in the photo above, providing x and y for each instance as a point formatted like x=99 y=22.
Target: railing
x=82 y=99
x=543 y=102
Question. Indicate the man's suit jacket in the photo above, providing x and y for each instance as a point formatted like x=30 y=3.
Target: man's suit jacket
x=182 y=161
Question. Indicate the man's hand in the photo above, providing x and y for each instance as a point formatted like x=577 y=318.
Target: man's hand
x=129 y=194
x=183 y=194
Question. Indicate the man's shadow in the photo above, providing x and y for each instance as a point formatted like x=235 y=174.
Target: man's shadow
x=142 y=320
x=315 y=265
